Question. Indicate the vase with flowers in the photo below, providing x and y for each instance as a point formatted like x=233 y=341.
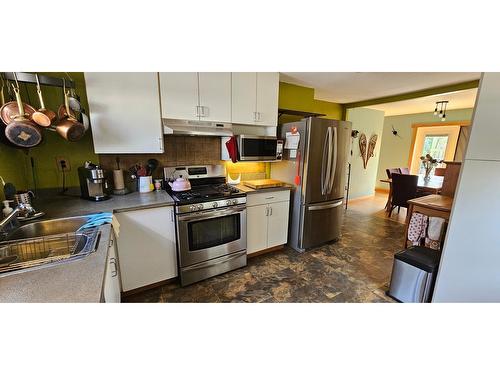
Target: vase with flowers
x=429 y=163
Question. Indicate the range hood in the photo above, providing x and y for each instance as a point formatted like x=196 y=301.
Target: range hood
x=186 y=127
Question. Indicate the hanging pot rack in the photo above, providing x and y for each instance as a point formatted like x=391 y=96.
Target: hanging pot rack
x=44 y=80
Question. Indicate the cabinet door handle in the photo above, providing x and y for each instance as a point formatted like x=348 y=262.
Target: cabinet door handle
x=112 y=261
x=197 y=111
x=203 y=113
x=267 y=211
x=111 y=242
x=255 y=116
x=271 y=211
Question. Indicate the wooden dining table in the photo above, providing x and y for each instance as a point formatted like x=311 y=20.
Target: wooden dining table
x=433 y=185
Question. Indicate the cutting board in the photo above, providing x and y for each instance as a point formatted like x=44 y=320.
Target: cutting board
x=263 y=184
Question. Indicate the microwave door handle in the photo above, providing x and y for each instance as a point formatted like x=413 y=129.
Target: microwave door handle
x=334 y=161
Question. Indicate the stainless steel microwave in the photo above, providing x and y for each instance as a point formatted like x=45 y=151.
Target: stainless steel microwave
x=259 y=148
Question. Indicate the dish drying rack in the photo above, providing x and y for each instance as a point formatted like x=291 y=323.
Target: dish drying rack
x=25 y=253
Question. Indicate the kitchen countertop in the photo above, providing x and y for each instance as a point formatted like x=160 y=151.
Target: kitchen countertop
x=57 y=206
x=249 y=190
x=79 y=280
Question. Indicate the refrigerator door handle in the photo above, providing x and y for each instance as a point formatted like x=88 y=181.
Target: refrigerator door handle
x=334 y=162
x=325 y=206
x=323 y=165
x=327 y=154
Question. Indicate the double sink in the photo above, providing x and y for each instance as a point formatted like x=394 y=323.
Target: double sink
x=47 y=242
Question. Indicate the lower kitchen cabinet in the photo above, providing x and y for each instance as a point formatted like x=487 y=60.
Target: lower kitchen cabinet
x=112 y=284
x=146 y=246
x=267 y=220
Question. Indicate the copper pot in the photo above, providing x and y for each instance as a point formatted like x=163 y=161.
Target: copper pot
x=21 y=131
x=43 y=117
x=69 y=128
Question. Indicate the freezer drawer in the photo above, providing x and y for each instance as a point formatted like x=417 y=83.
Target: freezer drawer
x=321 y=223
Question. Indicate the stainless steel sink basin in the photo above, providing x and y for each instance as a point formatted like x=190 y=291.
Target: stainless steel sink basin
x=48 y=228
x=46 y=242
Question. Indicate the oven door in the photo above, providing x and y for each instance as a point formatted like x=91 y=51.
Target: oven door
x=211 y=234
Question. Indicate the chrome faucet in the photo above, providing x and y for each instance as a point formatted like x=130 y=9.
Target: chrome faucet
x=25 y=209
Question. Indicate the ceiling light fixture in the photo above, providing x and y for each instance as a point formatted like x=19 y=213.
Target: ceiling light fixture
x=442 y=109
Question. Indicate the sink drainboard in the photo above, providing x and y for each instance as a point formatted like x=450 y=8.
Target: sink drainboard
x=27 y=253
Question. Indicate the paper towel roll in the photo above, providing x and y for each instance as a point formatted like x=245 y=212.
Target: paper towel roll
x=118 y=179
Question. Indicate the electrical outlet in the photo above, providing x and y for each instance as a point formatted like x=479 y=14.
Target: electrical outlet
x=63 y=163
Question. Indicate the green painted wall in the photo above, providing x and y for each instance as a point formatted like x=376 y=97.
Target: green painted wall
x=368 y=121
x=395 y=150
x=15 y=164
x=301 y=98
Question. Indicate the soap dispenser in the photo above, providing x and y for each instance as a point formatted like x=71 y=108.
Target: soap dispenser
x=7 y=209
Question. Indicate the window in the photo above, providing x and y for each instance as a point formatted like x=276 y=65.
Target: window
x=435 y=145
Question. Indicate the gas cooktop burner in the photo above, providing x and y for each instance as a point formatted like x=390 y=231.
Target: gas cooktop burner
x=206 y=193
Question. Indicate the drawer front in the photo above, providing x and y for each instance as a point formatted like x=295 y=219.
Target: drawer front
x=255 y=199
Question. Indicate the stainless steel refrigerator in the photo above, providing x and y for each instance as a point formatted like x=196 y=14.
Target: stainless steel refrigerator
x=320 y=160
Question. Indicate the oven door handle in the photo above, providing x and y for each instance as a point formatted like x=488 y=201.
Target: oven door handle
x=212 y=213
x=211 y=263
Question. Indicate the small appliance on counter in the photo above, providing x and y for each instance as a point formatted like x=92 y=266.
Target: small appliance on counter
x=93 y=182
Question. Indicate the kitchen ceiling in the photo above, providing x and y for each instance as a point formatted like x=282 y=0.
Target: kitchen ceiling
x=457 y=100
x=357 y=86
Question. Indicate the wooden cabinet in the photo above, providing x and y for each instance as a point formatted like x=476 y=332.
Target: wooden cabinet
x=125 y=112
x=255 y=98
x=196 y=96
x=267 y=220
x=146 y=246
x=112 y=283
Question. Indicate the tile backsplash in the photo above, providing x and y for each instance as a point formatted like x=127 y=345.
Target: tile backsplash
x=179 y=150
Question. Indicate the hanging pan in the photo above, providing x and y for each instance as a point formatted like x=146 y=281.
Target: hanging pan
x=10 y=110
x=43 y=117
x=21 y=131
x=68 y=127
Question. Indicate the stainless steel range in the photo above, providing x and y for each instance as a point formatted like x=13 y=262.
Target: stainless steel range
x=210 y=223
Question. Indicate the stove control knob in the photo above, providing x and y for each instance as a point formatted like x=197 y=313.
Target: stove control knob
x=229 y=202
x=235 y=201
x=199 y=207
x=192 y=208
x=215 y=205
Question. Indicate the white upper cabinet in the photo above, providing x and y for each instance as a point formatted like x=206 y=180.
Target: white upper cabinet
x=255 y=98
x=179 y=96
x=196 y=96
x=125 y=113
x=215 y=96
x=485 y=132
x=267 y=99
x=243 y=98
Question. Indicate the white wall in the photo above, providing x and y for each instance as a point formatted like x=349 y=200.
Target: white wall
x=470 y=263
x=368 y=121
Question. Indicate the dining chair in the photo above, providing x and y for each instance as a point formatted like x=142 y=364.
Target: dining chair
x=390 y=171
x=404 y=188
x=404 y=170
x=439 y=171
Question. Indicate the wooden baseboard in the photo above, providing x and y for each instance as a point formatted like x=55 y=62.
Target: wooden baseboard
x=147 y=287
x=381 y=190
x=265 y=251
